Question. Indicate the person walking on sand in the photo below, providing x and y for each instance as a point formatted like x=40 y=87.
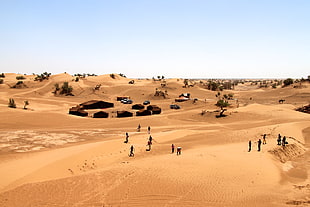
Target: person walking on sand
x=279 y=139
x=149 y=143
x=150 y=138
x=172 y=148
x=149 y=130
x=132 y=151
x=264 y=139
x=283 y=141
x=138 y=128
x=179 y=150
x=259 y=144
x=250 y=145
x=126 y=139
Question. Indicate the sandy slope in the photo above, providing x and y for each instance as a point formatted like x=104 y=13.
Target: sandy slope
x=75 y=161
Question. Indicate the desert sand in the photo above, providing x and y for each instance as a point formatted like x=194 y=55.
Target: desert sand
x=51 y=158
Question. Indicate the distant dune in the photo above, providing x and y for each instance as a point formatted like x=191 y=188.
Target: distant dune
x=51 y=158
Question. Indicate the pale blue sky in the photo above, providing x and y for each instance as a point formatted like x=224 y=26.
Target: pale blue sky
x=174 y=38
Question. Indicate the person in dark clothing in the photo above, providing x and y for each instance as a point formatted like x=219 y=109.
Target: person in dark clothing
x=127 y=136
x=172 y=148
x=179 y=150
x=149 y=143
x=259 y=144
x=138 y=128
x=150 y=138
x=148 y=129
x=283 y=141
x=279 y=139
x=250 y=145
x=131 y=151
x=264 y=139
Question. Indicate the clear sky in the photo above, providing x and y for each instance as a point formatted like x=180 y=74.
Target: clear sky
x=146 y=38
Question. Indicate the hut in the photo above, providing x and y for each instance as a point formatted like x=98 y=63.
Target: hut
x=154 y=108
x=143 y=112
x=137 y=106
x=101 y=114
x=95 y=104
x=77 y=111
x=124 y=114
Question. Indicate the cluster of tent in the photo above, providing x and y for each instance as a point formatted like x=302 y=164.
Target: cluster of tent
x=80 y=110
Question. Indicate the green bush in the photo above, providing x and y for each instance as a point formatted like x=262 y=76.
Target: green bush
x=66 y=88
x=222 y=103
x=288 y=82
x=20 y=77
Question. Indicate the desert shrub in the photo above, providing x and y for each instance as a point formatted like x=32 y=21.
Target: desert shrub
x=288 y=82
x=66 y=88
x=26 y=103
x=2 y=75
x=112 y=75
x=77 y=79
x=122 y=75
x=222 y=103
x=274 y=85
x=1 y=81
x=20 y=77
x=12 y=103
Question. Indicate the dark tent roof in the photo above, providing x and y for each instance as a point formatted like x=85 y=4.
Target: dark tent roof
x=95 y=104
x=138 y=106
x=101 y=114
x=143 y=112
x=77 y=111
x=124 y=114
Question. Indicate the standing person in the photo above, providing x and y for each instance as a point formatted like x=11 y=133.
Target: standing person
x=151 y=139
x=283 y=141
x=132 y=151
x=250 y=145
x=259 y=144
x=279 y=139
x=179 y=150
x=264 y=139
x=149 y=143
x=127 y=136
x=149 y=130
x=138 y=128
x=172 y=148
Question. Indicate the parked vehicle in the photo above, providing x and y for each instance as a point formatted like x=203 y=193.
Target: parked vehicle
x=126 y=101
x=174 y=106
x=146 y=102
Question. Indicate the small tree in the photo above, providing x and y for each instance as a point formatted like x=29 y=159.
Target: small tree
x=66 y=88
x=288 y=82
x=20 y=77
x=222 y=103
x=26 y=103
x=112 y=76
x=185 y=83
x=12 y=103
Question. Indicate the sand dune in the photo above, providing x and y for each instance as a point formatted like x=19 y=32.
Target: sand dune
x=51 y=158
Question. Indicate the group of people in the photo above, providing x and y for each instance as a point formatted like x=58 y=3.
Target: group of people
x=280 y=141
x=179 y=149
x=149 y=142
